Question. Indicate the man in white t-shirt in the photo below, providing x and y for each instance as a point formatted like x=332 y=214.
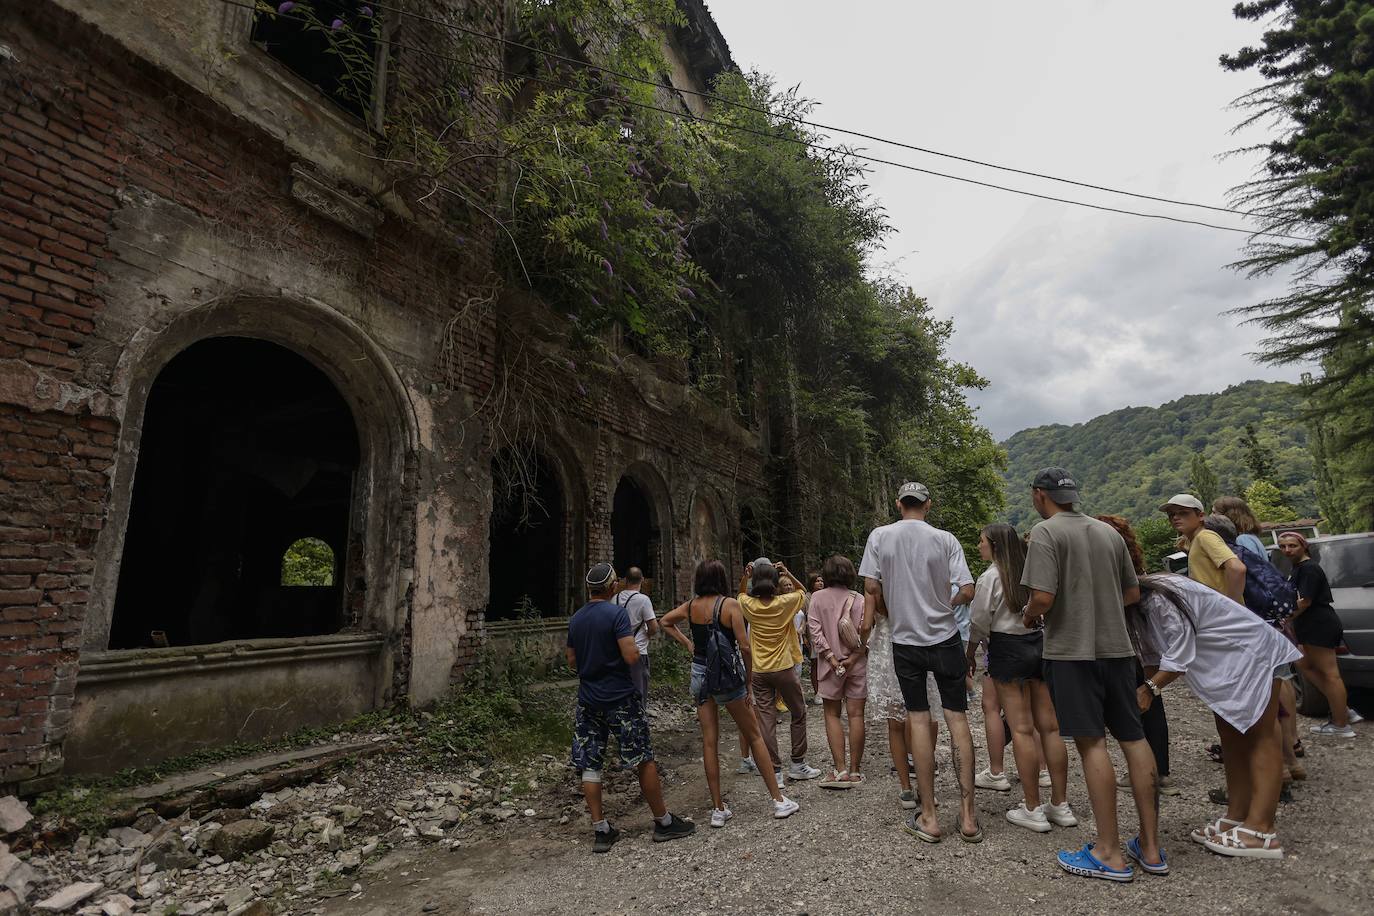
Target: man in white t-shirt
x=913 y=568
x=643 y=623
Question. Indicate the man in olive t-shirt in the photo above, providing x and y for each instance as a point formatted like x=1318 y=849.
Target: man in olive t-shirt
x=1081 y=578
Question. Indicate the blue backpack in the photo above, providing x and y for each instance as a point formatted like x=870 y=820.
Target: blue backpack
x=724 y=667
x=1267 y=592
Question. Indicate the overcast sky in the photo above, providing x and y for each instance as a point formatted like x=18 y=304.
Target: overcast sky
x=1121 y=94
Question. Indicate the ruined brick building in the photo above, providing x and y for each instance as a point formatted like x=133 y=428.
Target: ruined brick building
x=222 y=329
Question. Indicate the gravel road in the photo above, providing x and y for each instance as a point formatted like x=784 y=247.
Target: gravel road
x=845 y=852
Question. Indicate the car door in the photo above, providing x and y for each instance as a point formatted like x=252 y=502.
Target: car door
x=1349 y=566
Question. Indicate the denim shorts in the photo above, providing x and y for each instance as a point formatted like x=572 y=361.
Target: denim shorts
x=1015 y=659
x=699 y=687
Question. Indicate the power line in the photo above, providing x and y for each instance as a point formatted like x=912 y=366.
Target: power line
x=840 y=151
x=796 y=119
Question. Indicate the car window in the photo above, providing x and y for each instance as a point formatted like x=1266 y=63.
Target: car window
x=1348 y=563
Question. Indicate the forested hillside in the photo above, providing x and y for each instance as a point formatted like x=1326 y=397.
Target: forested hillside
x=1131 y=460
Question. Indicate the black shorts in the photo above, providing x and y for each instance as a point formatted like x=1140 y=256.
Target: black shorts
x=1319 y=626
x=1014 y=658
x=1092 y=697
x=946 y=661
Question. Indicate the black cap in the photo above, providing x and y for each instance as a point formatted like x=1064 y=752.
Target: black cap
x=1058 y=485
x=600 y=575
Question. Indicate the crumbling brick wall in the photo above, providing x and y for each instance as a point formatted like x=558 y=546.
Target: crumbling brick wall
x=135 y=197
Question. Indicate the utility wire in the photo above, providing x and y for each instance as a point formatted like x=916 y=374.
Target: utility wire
x=796 y=119
x=840 y=151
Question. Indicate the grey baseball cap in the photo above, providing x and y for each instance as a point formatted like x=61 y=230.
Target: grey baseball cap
x=911 y=488
x=1058 y=484
x=1184 y=501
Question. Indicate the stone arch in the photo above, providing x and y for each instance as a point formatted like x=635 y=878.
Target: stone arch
x=642 y=524
x=373 y=570
x=708 y=529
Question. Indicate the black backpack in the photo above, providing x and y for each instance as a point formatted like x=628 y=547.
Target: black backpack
x=724 y=667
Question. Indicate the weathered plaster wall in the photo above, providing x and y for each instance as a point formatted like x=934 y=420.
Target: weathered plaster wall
x=162 y=182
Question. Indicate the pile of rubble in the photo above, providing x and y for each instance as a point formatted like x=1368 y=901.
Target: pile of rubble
x=288 y=851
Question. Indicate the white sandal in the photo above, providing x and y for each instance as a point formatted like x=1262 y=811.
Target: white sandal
x=838 y=779
x=1200 y=835
x=1229 y=844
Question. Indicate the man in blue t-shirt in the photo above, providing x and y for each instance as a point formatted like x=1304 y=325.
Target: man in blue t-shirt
x=601 y=647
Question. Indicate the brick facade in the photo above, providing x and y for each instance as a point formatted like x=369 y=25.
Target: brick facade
x=151 y=198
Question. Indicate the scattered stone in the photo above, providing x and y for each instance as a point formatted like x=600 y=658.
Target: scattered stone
x=194 y=909
x=449 y=815
x=14 y=815
x=128 y=837
x=169 y=851
x=16 y=874
x=236 y=840
x=350 y=859
x=429 y=907
x=9 y=903
x=529 y=812
x=256 y=908
x=349 y=815
x=236 y=897
x=68 y=897
x=147 y=821
x=117 y=905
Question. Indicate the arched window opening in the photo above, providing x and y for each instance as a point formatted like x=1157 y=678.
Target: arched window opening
x=634 y=531
x=527 y=555
x=245 y=445
x=308 y=562
x=751 y=536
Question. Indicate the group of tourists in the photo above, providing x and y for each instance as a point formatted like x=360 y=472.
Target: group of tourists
x=1078 y=642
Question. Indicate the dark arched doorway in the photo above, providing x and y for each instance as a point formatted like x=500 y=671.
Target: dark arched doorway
x=751 y=536
x=247 y=447
x=634 y=529
x=529 y=523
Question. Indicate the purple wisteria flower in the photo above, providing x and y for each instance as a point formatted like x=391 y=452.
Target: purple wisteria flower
x=606 y=266
x=572 y=366
x=336 y=24
x=286 y=7
x=365 y=11
x=605 y=231
x=581 y=389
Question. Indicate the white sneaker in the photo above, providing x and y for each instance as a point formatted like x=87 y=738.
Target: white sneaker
x=1030 y=818
x=746 y=766
x=800 y=769
x=1332 y=730
x=1059 y=815
x=1045 y=781
x=785 y=808
x=998 y=782
x=720 y=815
x=1353 y=715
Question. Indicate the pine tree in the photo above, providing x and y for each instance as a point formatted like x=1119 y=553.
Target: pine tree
x=1202 y=480
x=1315 y=194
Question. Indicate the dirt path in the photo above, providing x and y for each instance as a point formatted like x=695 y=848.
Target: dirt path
x=845 y=852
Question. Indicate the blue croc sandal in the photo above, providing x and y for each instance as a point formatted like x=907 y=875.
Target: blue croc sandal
x=1083 y=863
x=1160 y=868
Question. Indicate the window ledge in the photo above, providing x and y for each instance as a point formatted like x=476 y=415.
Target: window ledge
x=132 y=664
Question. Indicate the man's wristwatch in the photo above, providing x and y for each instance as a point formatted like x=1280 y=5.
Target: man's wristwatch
x=1154 y=688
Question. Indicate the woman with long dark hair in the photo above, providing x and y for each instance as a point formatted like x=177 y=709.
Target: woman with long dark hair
x=1319 y=632
x=1227 y=655
x=711 y=599
x=1014 y=664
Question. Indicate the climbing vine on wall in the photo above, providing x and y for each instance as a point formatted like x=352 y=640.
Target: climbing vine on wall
x=728 y=243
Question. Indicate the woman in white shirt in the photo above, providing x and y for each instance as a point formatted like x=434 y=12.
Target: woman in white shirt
x=1228 y=656
x=1014 y=665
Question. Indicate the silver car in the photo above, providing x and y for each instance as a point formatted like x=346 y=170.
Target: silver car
x=1348 y=561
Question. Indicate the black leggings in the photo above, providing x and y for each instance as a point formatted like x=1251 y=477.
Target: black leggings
x=1156 y=725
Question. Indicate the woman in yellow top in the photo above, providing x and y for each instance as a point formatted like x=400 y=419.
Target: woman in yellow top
x=776 y=653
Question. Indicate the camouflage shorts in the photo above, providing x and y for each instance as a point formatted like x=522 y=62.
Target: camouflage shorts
x=592 y=729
